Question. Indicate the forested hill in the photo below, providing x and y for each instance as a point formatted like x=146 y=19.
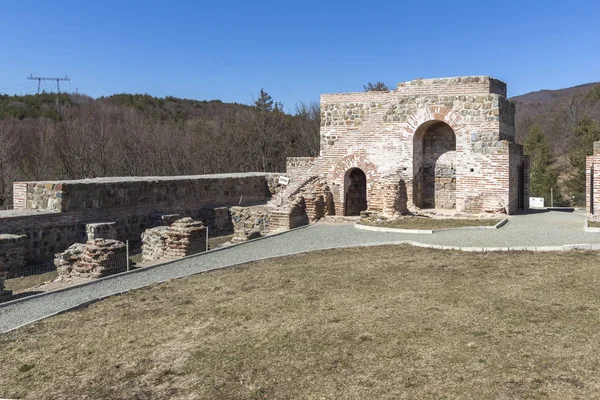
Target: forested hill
x=168 y=108
x=556 y=112
x=70 y=136
x=558 y=128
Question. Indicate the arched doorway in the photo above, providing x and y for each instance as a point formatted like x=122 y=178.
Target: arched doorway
x=355 y=191
x=434 y=151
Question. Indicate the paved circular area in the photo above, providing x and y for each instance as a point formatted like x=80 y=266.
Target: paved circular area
x=550 y=229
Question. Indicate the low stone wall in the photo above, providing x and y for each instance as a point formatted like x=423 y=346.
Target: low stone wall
x=250 y=222
x=12 y=252
x=160 y=191
x=184 y=238
x=94 y=259
x=153 y=243
x=4 y=294
x=121 y=208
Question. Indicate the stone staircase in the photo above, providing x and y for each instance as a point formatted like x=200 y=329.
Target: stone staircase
x=295 y=187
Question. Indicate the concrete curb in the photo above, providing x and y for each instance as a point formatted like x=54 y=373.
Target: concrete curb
x=358 y=225
x=588 y=228
x=137 y=270
x=566 y=247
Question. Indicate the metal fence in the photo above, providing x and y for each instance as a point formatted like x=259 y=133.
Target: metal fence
x=22 y=283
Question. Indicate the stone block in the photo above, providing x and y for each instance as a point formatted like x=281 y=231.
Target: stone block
x=101 y=230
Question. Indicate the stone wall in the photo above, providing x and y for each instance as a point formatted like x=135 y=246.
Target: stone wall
x=177 y=192
x=59 y=214
x=592 y=183
x=397 y=131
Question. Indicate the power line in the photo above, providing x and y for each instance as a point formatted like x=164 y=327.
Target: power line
x=41 y=78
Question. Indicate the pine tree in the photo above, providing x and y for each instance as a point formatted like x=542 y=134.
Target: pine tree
x=587 y=132
x=543 y=175
x=377 y=87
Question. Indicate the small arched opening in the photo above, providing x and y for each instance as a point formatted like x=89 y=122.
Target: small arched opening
x=355 y=191
x=434 y=151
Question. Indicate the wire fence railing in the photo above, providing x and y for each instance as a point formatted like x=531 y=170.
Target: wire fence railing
x=26 y=282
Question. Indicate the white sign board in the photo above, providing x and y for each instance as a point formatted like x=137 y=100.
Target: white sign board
x=536 y=202
x=284 y=180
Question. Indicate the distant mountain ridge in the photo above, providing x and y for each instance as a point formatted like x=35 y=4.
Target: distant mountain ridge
x=549 y=95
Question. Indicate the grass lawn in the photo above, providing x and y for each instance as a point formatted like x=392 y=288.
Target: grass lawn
x=594 y=224
x=366 y=323
x=432 y=223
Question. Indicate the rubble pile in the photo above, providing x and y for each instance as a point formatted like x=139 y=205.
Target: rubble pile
x=101 y=257
x=5 y=295
x=153 y=243
x=66 y=260
x=185 y=237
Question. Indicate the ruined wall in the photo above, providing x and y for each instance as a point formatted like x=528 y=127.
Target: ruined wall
x=58 y=213
x=378 y=132
x=177 y=192
x=592 y=183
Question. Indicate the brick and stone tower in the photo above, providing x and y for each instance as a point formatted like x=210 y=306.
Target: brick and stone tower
x=444 y=143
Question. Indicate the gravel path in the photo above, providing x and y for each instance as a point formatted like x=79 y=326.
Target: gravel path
x=551 y=228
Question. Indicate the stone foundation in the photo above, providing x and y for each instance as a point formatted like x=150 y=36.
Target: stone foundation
x=13 y=255
x=250 y=222
x=184 y=238
x=66 y=260
x=153 y=243
x=101 y=257
x=51 y=216
x=101 y=230
x=5 y=295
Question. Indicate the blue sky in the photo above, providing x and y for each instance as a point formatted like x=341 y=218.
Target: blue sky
x=296 y=50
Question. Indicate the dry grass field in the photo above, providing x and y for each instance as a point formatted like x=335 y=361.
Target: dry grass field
x=433 y=223
x=594 y=224
x=390 y=322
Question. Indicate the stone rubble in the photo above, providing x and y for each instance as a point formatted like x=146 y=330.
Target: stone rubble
x=5 y=295
x=185 y=237
x=154 y=243
x=104 y=230
x=250 y=222
x=12 y=251
x=65 y=261
x=101 y=257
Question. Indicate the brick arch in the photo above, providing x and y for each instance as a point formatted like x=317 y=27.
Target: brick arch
x=435 y=113
x=354 y=161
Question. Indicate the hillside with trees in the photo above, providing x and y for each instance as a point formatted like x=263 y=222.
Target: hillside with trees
x=71 y=136
x=558 y=128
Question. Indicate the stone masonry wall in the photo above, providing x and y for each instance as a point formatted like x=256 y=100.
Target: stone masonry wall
x=382 y=133
x=132 y=209
x=592 y=183
x=177 y=191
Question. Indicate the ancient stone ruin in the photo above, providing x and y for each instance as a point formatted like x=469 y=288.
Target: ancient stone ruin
x=592 y=183
x=5 y=295
x=184 y=238
x=96 y=258
x=440 y=144
x=153 y=244
x=430 y=144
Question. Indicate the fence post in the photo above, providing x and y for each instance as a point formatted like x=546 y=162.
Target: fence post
x=206 y=238
x=127 y=252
